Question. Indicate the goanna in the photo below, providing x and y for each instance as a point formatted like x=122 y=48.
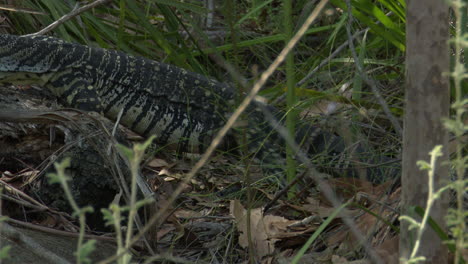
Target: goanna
x=175 y=105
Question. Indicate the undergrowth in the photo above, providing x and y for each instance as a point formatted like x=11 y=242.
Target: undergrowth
x=235 y=41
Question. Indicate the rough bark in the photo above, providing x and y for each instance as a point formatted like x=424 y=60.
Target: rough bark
x=427 y=103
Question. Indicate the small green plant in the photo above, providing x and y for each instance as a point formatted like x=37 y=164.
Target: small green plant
x=456 y=218
x=5 y=252
x=317 y=233
x=83 y=249
x=113 y=215
x=432 y=197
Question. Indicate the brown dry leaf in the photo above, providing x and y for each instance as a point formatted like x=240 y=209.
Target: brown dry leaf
x=166 y=229
x=49 y=221
x=364 y=224
x=353 y=187
x=170 y=177
x=266 y=230
x=184 y=213
x=321 y=107
x=261 y=229
x=259 y=238
x=367 y=223
x=322 y=210
x=349 y=187
x=166 y=172
x=277 y=227
x=313 y=206
x=158 y=163
x=57 y=222
x=23 y=175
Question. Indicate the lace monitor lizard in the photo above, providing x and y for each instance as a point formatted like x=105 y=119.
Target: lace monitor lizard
x=174 y=104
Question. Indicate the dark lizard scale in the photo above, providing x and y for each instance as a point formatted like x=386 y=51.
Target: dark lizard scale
x=155 y=98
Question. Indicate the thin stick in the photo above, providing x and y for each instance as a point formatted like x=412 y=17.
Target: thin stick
x=67 y=17
x=256 y=88
x=324 y=187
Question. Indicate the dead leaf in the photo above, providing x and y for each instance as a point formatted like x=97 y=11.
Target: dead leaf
x=158 y=163
x=166 y=229
x=183 y=213
x=349 y=187
x=258 y=229
x=166 y=172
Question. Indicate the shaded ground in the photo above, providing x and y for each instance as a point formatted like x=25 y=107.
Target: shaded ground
x=205 y=224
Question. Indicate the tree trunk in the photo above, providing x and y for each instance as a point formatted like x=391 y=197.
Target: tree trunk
x=427 y=103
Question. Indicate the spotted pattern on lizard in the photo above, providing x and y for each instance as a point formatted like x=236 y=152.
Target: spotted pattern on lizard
x=174 y=104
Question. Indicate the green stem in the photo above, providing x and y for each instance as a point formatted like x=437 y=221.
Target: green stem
x=291 y=96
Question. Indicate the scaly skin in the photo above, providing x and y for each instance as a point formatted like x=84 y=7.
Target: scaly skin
x=157 y=99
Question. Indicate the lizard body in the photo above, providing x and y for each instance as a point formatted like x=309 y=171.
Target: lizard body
x=176 y=105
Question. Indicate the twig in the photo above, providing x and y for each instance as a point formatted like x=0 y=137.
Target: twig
x=324 y=187
x=55 y=231
x=67 y=17
x=21 y=10
x=256 y=88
